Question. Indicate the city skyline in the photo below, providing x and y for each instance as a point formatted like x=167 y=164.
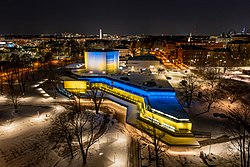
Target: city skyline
x=140 y=17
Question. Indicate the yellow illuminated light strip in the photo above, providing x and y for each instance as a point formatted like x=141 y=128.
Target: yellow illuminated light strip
x=140 y=103
x=171 y=128
x=139 y=100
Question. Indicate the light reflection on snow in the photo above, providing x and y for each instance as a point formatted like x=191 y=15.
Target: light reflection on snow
x=181 y=152
x=3 y=99
x=8 y=128
x=42 y=91
x=39 y=119
x=35 y=86
x=46 y=95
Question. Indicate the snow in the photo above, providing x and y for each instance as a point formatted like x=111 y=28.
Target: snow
x=24 y=135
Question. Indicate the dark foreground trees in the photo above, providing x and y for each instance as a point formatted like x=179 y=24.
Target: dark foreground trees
x=210 y=97
x=86 y=127
x=13 y=91
x=79 y=129
x=188 y=86
x=96 y=95
x=238 y=126
x=151 y=135
x=211 y=75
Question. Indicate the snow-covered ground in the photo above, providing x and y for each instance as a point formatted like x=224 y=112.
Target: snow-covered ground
x=24 y=142
x=24 y=134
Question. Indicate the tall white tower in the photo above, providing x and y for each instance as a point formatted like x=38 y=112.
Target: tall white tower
x=189 y=38
x=100 y=34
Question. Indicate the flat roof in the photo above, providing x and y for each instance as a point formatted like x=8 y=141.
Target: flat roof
x=137 y=80
x=76 y=65
x=170 y=106
x=161 y=98
x=140 y=79
x=144 y=58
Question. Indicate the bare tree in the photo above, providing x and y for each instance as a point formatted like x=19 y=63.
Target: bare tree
x=153 y=136
x=238 y=126
x=210 y=97
x=96 y=95
x=1 y=84
x=52 y=78
x=86 y=127
x=13 y=92
x=233 y=88
x=188 y=86
x=78 y=125
x=61 y=131
x=211 y=75
x=19 y=73
x=31 y=71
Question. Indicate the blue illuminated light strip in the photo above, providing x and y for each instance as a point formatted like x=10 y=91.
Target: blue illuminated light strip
x=137 y=91
x=129 y=88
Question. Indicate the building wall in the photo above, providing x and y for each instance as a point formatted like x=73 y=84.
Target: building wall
x=176 y=126
x=102 y=61
x=95 y=61
x=112 y=61
x=124 y=52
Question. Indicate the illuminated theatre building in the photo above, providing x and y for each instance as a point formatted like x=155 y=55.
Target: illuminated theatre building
x=156 y=104
x=102 y=61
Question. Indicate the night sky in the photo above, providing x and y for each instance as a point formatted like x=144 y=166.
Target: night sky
x=124 y=17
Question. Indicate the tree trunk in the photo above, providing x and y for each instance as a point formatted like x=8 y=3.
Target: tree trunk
x=243 y=146
x=1 y=87
x=156 y=157
x=187 y=101
x=70 y=146
x=156 y=150
x=54 y=92
x=96 y=107
x=248 y=152
x=149 y=153
x=70 y=149
x=84 y=158
x=208 y=107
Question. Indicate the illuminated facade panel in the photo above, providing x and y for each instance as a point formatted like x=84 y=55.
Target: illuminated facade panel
x=100 y=61
x=75 y=86
x=95 y=61
x=112 y=60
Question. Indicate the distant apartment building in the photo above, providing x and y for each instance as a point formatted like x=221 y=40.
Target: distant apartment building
x=241 y=37
x=171 y=51
x=192 y=55
x=219 y=58
x=123 y=50
x=240 y=51
x=223 y=40
x=217 y=51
